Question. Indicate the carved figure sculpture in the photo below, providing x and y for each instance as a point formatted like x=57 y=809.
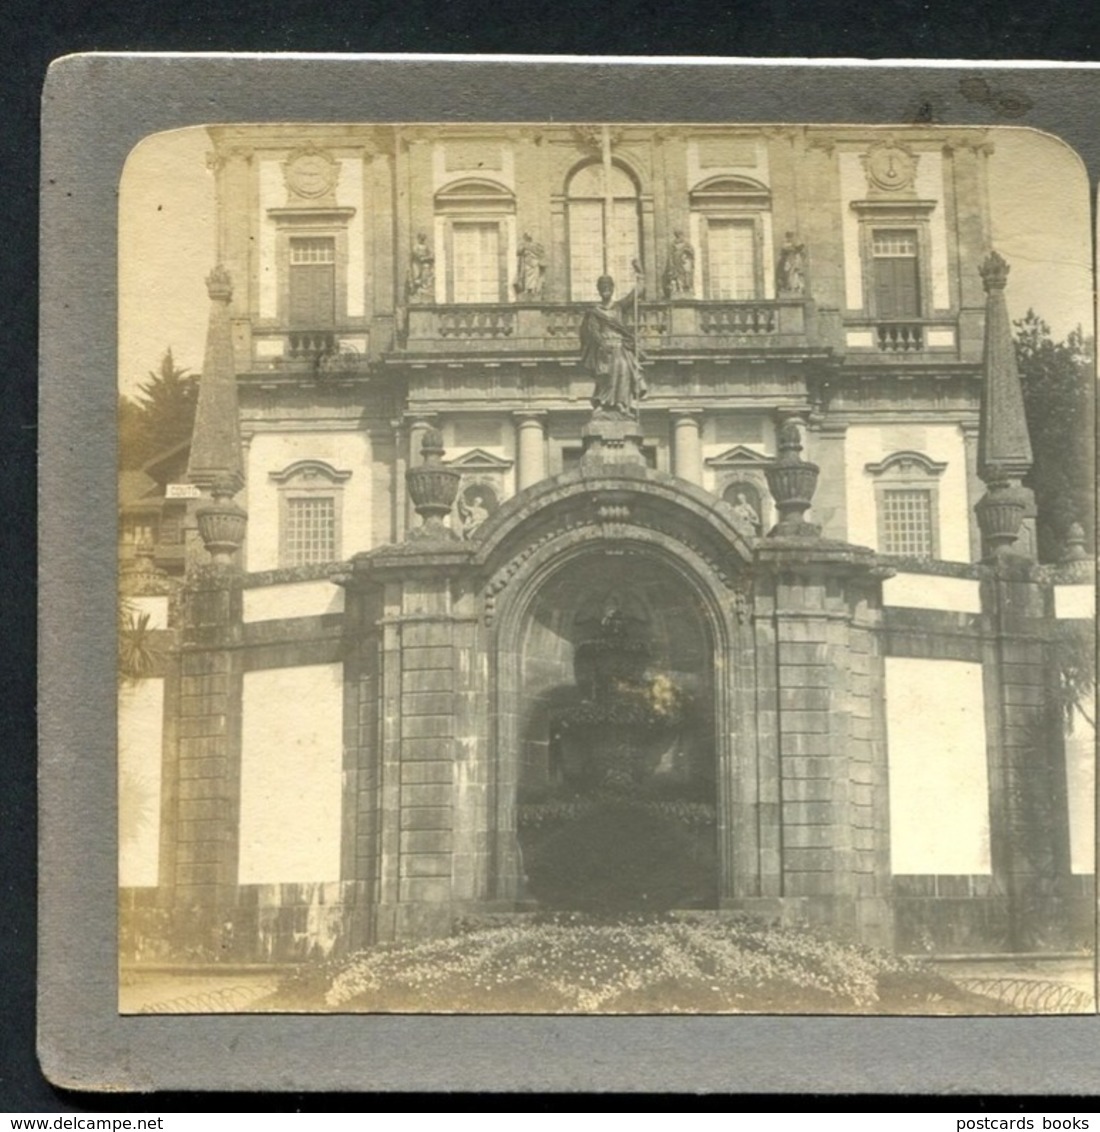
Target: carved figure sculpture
x=472 y=510
x=679 y=276
x=421 y=285
x=530 y=268
x=609 y=353
x=791 y=270
x=746 y=513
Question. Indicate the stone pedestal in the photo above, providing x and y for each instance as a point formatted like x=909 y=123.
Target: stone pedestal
x=824 y=806
x=424 y=824
x=611 y=440
x=205 y=809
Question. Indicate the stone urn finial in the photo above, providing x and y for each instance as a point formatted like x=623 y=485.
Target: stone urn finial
x=792 y=482
x=994 y=271
x=222 y=522
x=1073 y=548
x=1000 y=512
x=433 y=487
x=219 y=285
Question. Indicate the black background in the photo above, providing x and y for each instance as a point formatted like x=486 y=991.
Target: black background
x=32 y=32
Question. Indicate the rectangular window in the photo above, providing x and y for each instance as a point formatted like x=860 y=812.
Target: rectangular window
x=896 y=273
x=907 y=522
x=310 y=530
x=476 y=264
x=731 y=259
x=312 y=282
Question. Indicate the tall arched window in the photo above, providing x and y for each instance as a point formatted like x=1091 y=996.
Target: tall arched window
x=599 y=216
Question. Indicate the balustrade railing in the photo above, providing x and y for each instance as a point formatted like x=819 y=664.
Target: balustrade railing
x=477 y=322
x=310 y=344
x=900 y=337
x=563 y=322
x=556 y=326
x=738 y=318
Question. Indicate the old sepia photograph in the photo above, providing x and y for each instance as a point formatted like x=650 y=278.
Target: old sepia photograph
x=606 y=568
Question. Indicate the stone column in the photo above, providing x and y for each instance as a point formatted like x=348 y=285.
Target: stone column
x=687 y=446
x=530 y=448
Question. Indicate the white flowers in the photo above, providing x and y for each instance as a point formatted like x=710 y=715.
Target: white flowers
x=569 y=964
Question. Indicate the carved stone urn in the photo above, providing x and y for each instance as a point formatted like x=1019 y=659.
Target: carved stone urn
x=1001 y=513
x=792 y=482
x=221 y=523
x=432 y=488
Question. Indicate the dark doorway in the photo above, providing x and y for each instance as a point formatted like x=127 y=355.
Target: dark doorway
x=616 y=790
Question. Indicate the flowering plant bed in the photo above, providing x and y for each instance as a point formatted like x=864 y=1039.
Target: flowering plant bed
x=575 y=964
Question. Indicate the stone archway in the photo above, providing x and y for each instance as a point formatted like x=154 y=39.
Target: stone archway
x=677 y=559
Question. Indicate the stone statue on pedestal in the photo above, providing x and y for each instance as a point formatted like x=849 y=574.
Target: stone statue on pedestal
x=610 y=353
x=679 y=278
x=421 y=284
x=530 y=269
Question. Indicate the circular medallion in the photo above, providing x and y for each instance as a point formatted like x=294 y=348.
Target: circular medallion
x=311 y=174
x=890 y=167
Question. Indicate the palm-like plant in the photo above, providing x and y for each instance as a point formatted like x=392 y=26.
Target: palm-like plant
x=137 y=655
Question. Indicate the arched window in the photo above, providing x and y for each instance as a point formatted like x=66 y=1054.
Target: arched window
x=731 y=223
x=600 y=216
x=475 y=232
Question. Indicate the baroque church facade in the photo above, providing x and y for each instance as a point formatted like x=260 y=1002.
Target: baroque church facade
x=603 y=517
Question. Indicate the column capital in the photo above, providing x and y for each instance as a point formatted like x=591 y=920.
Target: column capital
x=411 y=418
x=692 y=413
x=524 y=417
x=829 y=428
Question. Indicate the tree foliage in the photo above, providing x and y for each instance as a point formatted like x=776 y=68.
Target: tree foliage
x=161 y=414
x=1059 y=399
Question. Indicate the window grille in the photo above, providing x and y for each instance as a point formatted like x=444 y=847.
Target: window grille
x=894 y=242
x=312 y=249
x=310 y=530
x=907 y=522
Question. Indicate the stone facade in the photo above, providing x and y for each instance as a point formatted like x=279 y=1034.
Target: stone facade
x=435 y=516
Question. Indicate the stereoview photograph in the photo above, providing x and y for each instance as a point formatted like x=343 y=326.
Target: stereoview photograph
x=606 y=568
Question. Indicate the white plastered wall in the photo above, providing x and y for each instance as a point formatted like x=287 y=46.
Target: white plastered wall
x=1081 y=789
x=869 y=444
x=939 y=781
x=272 y=195
x=291 y=775
x=140 y=739
x=274 y=452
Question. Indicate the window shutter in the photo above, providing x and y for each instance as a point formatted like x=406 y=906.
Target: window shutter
x=312 y=296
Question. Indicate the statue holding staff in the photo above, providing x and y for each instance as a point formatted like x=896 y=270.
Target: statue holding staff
x=610 y=352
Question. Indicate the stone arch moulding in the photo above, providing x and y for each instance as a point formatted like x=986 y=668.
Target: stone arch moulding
x=689 y=534
x=656 y=506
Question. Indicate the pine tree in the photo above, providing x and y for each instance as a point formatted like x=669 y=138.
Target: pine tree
x=160 y=416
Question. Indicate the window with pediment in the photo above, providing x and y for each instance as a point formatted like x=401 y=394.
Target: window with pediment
x=731 y=220
x=475 y=227
x=310 y=512
x=907 y=504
